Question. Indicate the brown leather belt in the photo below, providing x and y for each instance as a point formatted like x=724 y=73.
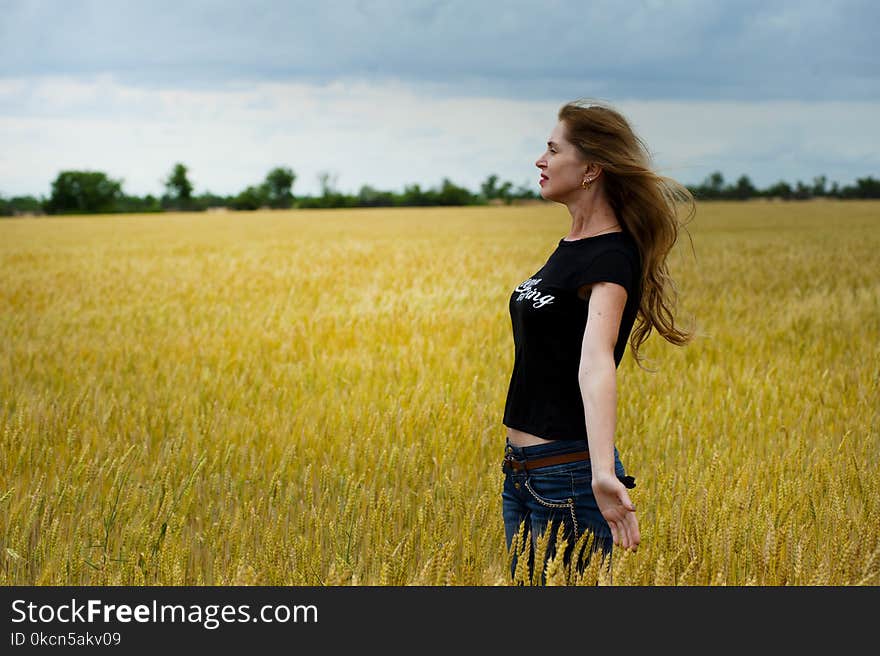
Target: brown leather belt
x=546 y=461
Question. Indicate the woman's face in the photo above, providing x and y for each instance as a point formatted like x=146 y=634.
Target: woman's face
x=562 y=167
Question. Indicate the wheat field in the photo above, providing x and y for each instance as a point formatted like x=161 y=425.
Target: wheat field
x=315 y=398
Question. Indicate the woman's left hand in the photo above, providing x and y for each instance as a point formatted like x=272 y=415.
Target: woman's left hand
x=618 y=510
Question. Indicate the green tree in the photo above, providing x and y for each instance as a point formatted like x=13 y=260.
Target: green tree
x=489 y=188
x=22 y=204
x=413 y=195
x=207 y=199
x=371 y=197
x=452 y=194
x=252 y=198
x=327 y=181
x=132 y=204
x=868 y=187
x=84 y=192
x=179 y=188
x=505 y=192
x=779 y=190
x=525 y=191
x=713 y=186
x=744 y=188
x=802 y=191
x=279 y=183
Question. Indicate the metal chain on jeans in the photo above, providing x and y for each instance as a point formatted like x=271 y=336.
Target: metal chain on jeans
x=568 y=504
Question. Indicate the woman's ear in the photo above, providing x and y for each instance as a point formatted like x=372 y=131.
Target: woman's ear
x=593 y=170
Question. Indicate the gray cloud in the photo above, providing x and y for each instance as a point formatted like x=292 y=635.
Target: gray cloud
x=388 y=135
x=685 y=50
x=388 y=93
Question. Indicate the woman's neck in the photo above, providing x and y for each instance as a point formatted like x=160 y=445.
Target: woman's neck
x=592 y=214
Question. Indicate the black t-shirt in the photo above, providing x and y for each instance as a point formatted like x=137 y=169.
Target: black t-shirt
x=549 y=319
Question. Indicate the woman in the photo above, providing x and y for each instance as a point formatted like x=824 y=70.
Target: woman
x=571 y=322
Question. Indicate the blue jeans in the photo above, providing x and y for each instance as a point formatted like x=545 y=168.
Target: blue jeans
x=557 y=493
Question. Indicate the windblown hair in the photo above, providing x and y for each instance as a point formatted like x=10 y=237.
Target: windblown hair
x=645 y=203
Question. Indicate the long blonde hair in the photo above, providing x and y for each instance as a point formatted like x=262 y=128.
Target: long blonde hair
x=646 y=204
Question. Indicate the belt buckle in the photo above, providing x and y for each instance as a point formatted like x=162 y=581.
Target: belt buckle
x=507 y=463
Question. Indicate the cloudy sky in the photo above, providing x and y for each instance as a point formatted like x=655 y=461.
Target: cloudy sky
x=389 y=93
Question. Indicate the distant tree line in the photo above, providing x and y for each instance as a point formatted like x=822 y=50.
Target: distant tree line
x=83 y=192
x=715 y=188
x=80 y=192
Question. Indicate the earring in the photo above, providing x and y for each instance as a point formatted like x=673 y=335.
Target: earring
x=586 y=183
